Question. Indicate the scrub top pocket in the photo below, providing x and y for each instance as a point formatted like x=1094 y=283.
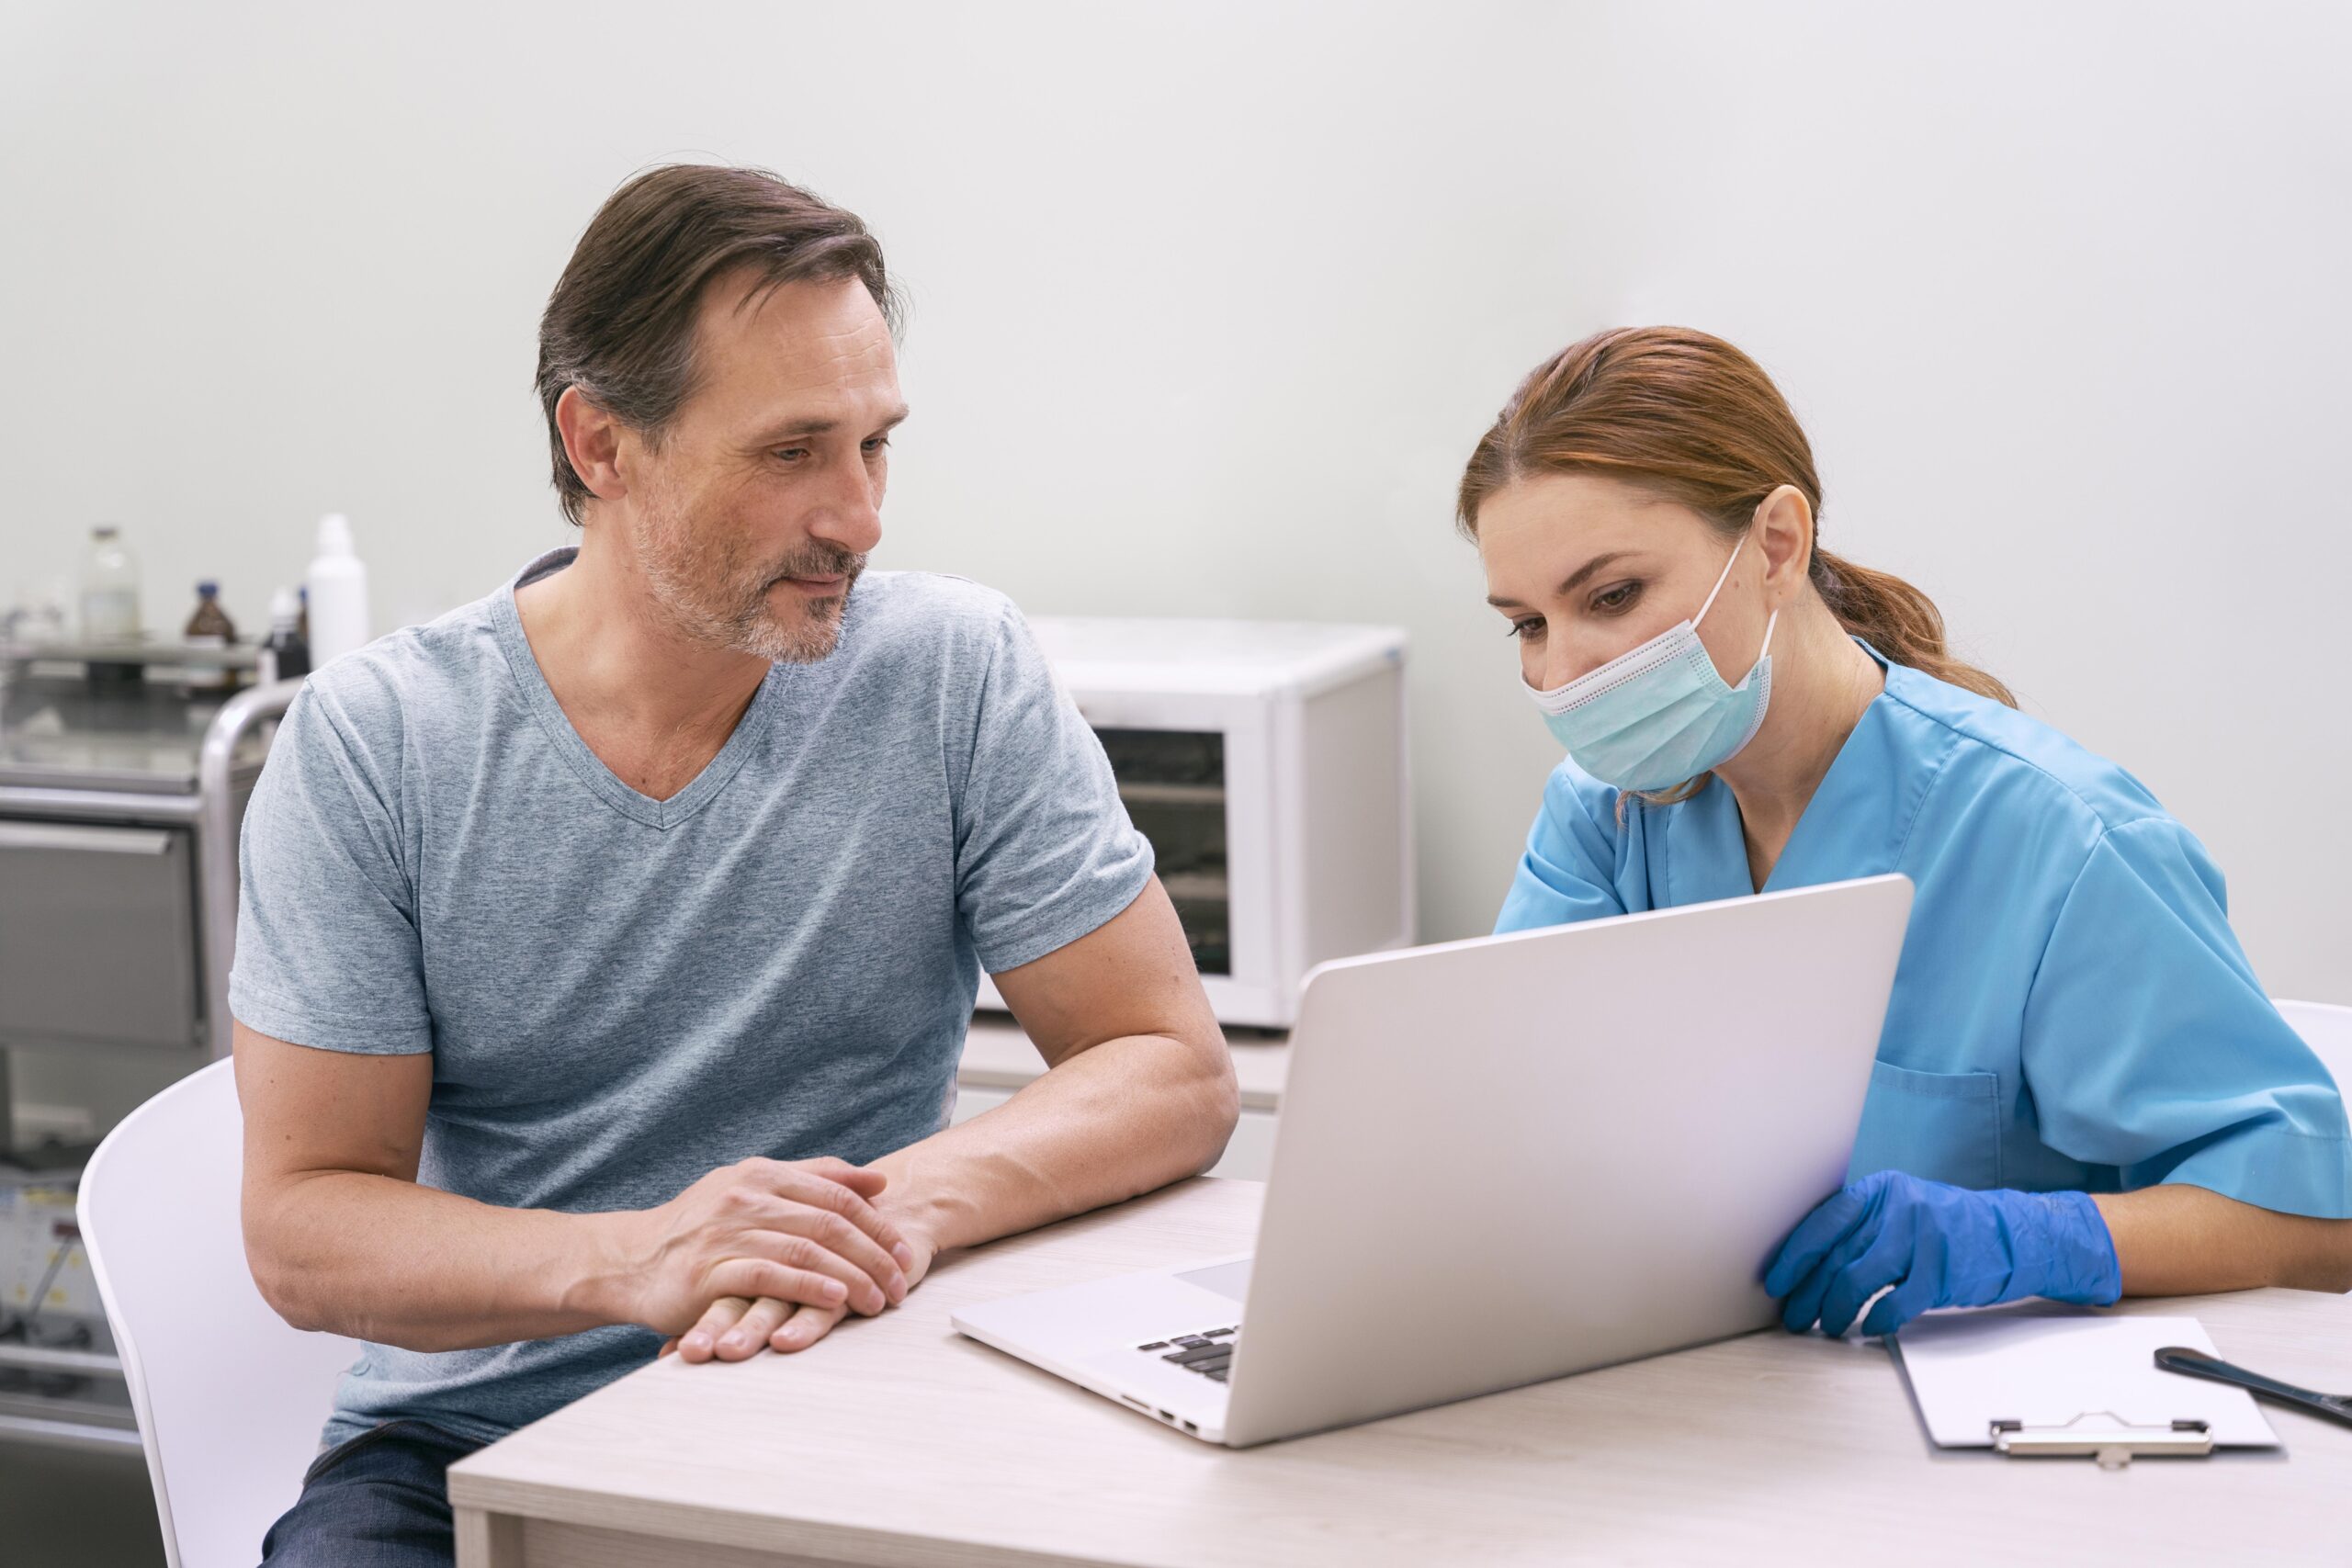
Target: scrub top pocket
x=1937 y=1126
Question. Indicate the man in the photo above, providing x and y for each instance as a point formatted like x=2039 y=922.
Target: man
x=608 y=945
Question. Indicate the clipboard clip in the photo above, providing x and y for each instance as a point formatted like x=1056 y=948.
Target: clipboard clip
x=2105 y=1437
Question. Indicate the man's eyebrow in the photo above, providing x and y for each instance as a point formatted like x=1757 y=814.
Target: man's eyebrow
x=825 y=427
x=1576 y=577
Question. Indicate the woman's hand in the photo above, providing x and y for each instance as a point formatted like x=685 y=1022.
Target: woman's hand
x=735 y=1329
x=1938 y=1245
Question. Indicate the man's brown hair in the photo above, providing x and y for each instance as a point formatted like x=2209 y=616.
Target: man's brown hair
x=620 y=325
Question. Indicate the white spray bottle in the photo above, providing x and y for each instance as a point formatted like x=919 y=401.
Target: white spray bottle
x=338 y=587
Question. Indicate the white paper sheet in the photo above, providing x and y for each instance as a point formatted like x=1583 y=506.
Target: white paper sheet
x=1969 y=1369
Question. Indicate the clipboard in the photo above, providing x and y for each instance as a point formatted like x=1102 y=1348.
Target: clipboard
x=2033 y=1385
x=2105 y=1438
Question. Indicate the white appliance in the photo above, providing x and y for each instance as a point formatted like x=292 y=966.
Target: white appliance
x=1265 y=761
x=1573 y=1146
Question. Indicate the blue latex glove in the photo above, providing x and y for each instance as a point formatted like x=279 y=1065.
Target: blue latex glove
x=1938 y=1245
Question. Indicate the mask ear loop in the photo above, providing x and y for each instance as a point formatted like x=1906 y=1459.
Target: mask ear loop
x=1721 y=578
x=1769 y=621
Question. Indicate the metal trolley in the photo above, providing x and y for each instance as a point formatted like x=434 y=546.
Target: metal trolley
x=124 y=773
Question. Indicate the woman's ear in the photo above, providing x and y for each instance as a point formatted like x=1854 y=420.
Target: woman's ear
x=1785 y=531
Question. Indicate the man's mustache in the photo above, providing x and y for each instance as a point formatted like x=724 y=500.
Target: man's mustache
x=824 y=560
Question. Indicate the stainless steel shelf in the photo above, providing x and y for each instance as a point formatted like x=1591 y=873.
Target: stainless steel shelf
x=40 y=1357
x=196 y=799
x=90 y=1425
x=87 y=1436
x=138 y=650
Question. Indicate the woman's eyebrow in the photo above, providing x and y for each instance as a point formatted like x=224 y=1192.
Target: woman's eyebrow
x=1576 y=577
x=1587 y=569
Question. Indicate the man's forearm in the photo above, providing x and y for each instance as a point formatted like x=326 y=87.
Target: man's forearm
x=1119 y=1119
x=376 y=1257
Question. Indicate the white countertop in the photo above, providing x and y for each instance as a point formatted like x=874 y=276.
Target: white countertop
x=997 y=1054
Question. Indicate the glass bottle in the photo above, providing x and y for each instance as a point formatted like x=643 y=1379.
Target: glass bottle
x=286 y=656
x=110 y=589
x=208 y=627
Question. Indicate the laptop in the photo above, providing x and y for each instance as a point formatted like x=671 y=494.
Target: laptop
x=1505 y=1160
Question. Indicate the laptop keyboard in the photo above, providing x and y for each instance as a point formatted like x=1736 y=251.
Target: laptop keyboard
x=1208 y=1352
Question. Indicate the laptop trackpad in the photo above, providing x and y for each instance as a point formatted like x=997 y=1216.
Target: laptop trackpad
x=1230 y=1280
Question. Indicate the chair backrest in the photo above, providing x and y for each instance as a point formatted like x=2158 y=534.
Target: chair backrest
x=229 y=1399
x=2327 y=1029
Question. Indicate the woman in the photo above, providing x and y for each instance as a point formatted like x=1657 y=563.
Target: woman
x=2081 y=1090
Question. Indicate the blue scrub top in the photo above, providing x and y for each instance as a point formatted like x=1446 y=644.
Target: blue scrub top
x=2071 y=1012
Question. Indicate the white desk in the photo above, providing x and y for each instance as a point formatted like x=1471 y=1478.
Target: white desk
x=898 y=1441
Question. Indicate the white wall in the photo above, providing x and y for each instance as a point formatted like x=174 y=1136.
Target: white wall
x=1210 y=302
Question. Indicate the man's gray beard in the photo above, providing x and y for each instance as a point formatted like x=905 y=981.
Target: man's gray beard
x=740 y=620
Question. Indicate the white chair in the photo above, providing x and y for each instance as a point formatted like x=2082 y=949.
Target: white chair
x=2327 y=1029
x=229 y=1399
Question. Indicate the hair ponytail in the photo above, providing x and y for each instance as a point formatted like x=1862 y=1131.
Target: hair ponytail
x=1690 y=417
x=1898 y=620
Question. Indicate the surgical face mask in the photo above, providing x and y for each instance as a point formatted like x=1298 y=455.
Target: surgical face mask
x=1659 y=714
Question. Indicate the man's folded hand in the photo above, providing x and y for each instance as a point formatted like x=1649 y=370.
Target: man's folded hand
x=798 y=1234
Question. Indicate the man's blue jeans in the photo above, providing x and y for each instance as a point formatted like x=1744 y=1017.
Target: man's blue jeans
x=378 y=1500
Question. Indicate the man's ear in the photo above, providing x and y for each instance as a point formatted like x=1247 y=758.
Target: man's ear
x=1785 y=531
x=591 y=441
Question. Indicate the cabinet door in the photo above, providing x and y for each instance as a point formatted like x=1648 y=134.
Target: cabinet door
x=97 y=935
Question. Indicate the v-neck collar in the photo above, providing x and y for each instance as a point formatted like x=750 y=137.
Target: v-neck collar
x=1855 y=825
x=539 y=698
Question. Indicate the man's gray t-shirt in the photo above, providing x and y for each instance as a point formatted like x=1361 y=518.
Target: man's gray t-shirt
x=621 y=994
